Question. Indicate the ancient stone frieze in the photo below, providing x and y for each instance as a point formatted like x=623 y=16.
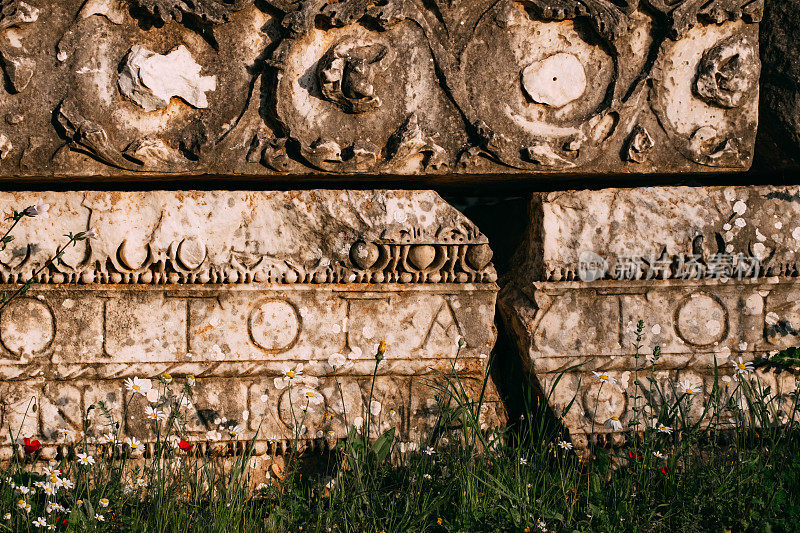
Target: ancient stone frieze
x=235 y=289
x=697 y=325
x=149 y=87
x=573 y=310
x=658 y=232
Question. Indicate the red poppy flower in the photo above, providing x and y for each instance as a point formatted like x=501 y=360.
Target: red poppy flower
x=634 y=457
x=665 y=470
x=31 y=446
x=185 y=446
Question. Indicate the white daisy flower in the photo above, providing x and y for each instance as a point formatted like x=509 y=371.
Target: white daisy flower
x=429 y=450
x=603 y=377
x=141 y=386
x=40 y=522
x=103 y=502
x=614 y=423
x=659 y=455
x=155 y=414
x=84 y=459
x=662 y=428
x=293 y=373
x=687 y=387
x=564 y=445
x=312 y=397
x=742 y=367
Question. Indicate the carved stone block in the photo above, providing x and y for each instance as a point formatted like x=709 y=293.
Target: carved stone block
x=235 y=289
x=138 y=88
x=712 y=271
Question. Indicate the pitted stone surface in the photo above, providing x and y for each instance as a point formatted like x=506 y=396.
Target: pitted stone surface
x=142 y=88
x=712 y=271
x=235 y=288
x=780 y=42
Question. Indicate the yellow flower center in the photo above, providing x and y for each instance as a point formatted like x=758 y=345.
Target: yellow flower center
x=689 y=391
x=741 y=366
x=137 y=388
x=310 y=394
x=615 y=418
x=290 y=374
x=604 y=377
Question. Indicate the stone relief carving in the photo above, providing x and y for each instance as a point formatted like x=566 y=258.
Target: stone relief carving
x=409 y=248
x=88 y=136
x=14 y=13
x=205 y=11
x=233 y=288
x=753 y=225
x=697 y=324
x=639 y=144
x=702 y=322
x=346 y=75
x=18 y=69
x=683 y=15
x=17 y=65
x=400 y=87
x=727 y=73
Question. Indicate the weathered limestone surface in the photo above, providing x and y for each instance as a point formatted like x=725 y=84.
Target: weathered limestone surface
x=780 y=40
x=711 y=270
x=235 y=288
x=147 y=88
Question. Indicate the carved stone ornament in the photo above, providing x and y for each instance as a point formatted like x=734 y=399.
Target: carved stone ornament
x=728 y=73
x=712 y=272
x=205 y=11
x=233 y=288
x=276 y=89
x=346 y=74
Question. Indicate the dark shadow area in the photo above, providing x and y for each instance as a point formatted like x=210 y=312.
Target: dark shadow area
x=522 y=398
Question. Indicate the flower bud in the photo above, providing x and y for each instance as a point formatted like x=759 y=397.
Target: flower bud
x=381 y=351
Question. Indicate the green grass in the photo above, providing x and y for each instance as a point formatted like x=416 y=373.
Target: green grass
x=737 y=469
